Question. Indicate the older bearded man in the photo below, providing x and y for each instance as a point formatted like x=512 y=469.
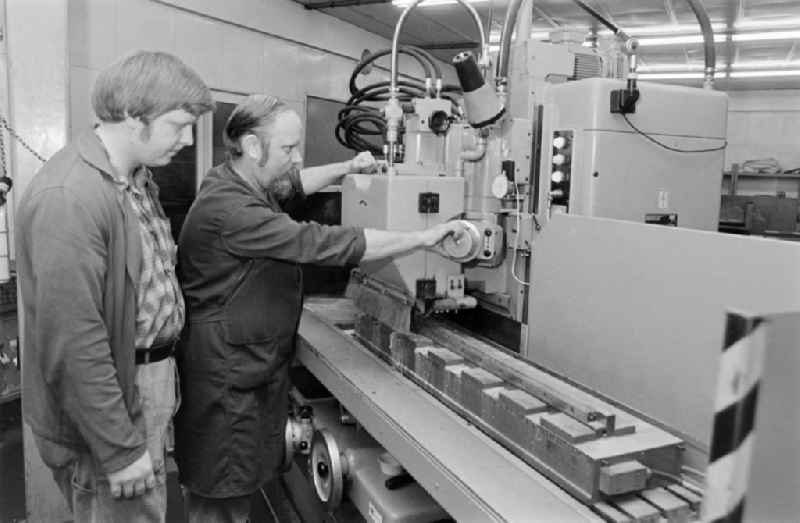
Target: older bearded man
x=240 y=260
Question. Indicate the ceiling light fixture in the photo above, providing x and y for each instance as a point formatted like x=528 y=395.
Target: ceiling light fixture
x=494 y=36
x=663 y=68
x=678 y=76
x=767 y=24
x=766 y=64
x=665 y=29
x=431 y=3
x=678 y=40
x=768 y=35
x=765 y=74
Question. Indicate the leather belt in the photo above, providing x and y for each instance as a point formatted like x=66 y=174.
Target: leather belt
x=156 y=352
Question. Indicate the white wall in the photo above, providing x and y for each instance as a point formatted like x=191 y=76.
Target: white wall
x=37 y=58
x=763 y=124
x=241 y=46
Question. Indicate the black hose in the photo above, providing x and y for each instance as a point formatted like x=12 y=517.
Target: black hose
x=358 y=120
x=607 y=23
x=436 y=69
x=424 y=59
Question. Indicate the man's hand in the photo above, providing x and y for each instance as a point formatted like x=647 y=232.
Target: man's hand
x=364 y=162
x=433 y=236
x=134 y=479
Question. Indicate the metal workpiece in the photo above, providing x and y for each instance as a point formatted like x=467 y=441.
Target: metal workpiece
x=570 y=441
x=475 y=480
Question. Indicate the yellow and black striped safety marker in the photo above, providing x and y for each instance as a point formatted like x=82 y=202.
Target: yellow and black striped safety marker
x=741 y=365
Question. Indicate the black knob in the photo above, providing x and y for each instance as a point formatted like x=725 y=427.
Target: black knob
x=322 y=469
x=439 y=122
x=303 y=445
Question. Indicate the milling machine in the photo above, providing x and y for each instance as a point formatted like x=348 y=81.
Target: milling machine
x=587 y=204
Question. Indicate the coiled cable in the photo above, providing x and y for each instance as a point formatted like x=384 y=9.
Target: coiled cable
x=361 y=119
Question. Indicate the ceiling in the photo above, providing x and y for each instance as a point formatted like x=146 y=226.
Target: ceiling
x=757 y=39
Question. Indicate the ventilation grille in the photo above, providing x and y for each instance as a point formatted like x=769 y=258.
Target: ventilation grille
x=587 y=66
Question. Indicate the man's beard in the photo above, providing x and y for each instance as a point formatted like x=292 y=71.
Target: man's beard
x=281 y=188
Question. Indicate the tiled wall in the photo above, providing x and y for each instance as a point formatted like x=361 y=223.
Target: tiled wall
x=243 y=46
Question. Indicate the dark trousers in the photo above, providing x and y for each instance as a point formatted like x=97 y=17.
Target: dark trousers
x=216 y=510
x=200 y=509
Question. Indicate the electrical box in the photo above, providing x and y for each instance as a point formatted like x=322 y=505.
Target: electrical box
x=597 y=164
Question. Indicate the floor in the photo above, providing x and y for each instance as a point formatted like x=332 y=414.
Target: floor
x=12 y=480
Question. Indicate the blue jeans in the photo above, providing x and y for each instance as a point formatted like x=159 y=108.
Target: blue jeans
x=83 y=481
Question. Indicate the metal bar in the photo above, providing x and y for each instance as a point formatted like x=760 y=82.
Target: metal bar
x=342 y=3
x=514 y=370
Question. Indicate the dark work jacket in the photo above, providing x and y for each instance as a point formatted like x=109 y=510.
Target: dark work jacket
x=240 y=257
x=78 y=259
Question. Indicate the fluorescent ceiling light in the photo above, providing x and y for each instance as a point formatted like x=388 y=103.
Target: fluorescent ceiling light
x=765 y=64
x=678 y=40
x=767 y=24
x=776 y=73
x=494 y=36
x=769 y=35
x=676 y=76
x=656 y=68
x=665 y=29
x=429 y=3
x=764 y=74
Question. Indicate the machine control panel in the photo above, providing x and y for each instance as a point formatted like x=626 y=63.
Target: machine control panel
x=561 y=170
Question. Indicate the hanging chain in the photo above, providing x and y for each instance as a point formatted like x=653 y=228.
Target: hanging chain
x=3 y=168
x=13 y=134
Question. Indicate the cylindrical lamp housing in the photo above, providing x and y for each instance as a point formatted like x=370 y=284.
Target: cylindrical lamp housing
x=481 y=103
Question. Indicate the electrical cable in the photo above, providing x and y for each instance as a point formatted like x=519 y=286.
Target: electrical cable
x=516 y=239
x=598 y=17
x=358 y=121
x=670 y=148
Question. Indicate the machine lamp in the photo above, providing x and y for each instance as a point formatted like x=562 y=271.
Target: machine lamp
x=558 y=176
x=482 y=105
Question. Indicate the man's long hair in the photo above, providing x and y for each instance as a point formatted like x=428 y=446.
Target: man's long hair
x=147 y=84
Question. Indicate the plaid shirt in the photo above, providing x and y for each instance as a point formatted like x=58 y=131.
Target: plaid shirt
x=160 y=309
